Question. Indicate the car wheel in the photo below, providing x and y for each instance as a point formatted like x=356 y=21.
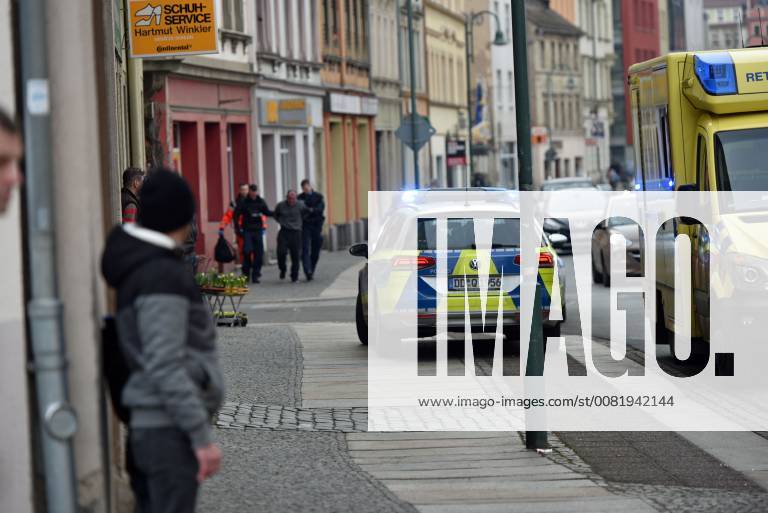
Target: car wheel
x=606 y=273
x=362 y=326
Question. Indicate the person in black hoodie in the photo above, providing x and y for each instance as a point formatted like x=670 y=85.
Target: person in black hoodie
x=167 y=338
x=251 y=210
x=312 y=230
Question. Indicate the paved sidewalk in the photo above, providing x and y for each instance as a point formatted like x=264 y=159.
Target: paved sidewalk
x=460 y=472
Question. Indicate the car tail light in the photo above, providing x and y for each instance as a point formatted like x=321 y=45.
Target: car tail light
x=545 y=260
x=421 y=262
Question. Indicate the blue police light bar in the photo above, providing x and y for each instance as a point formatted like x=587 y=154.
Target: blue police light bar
x=716 y=73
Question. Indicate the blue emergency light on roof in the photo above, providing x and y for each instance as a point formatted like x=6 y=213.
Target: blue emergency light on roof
x=716 y=72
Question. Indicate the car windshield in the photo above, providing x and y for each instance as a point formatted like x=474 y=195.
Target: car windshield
x=740 y=161
x=461 y=234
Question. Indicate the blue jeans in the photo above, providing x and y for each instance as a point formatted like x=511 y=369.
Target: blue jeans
x=312 y=241
x=253 y=253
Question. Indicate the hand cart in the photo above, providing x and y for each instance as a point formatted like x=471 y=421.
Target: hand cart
x=220 y=298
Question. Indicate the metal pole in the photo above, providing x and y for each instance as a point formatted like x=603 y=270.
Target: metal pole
x=535 y=365
x=533 y=439
x=522 y=99
x=57 y=418
x=398 y=17
x=468 y=21
x=594 y=80
x=412 y=57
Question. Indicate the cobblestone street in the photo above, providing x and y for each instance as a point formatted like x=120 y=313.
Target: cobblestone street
x=296 y=419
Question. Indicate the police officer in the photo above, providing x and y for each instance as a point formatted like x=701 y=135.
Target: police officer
x=251 y=210
x=312 y=229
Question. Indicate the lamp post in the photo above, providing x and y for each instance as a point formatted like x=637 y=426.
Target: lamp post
x=499 y=40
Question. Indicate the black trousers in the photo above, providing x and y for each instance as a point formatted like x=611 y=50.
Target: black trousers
x=312 y=236
x=289 y=241
x=253 y=253
x=163 y=470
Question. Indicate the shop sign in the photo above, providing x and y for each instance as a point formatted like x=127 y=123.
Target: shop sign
x=166 y=28
x=350 y=104
x=288 y=112
x=456 y=152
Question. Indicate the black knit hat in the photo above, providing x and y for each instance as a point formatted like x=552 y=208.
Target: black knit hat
x=166 y=200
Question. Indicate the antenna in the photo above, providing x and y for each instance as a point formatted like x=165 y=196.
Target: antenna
x=760 y=17
x=741 y=30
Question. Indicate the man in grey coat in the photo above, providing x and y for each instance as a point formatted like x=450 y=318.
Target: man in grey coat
x=168 y=341
x=290 y=215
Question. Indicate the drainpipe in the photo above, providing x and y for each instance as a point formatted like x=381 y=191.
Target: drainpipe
x=44 y=309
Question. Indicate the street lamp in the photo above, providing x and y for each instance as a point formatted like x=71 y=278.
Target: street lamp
x=498 y=40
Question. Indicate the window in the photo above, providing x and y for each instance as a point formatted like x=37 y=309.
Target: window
x=507 y=21
x=233 y=15
x=289 y=27
x=348 y=11
x=288 y=163
x=498 y=87
x=510 y=90
x=263 y=25
x=302 y=13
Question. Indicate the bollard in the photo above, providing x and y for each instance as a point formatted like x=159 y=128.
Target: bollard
x=535 y=364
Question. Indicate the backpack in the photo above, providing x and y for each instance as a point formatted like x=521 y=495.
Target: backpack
x=224 y=252
x=114 y=368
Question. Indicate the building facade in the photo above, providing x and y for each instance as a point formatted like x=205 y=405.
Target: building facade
x=756 y=23
x=596 y=53
x=349 y=133
x=287 y=100
x=502 y=95
x=385 y=75
x=199 y=117
x=446 y=72
x=555 y=94
x=636 y=39
x=725 y=20
x=664 y=26
x=695 y=26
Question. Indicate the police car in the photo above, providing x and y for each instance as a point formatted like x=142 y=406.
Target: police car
x=407 y=244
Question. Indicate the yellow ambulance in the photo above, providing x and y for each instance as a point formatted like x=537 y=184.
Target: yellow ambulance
x=700 y=121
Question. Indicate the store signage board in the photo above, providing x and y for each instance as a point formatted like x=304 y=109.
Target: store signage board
x=169 y=28
x=287 y=112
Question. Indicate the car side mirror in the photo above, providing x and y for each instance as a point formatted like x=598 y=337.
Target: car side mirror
x=687 y=187
x=359 y=250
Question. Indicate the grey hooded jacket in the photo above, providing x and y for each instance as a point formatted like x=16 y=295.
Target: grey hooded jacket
x=166 y=334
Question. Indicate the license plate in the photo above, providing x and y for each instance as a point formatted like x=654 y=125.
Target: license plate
x=473 y=283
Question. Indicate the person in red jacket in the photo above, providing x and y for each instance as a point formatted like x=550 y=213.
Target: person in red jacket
x=229 y=217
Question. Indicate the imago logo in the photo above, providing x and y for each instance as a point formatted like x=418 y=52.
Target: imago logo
x=476 y=302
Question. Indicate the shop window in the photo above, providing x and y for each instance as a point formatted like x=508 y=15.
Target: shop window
x=288 y=163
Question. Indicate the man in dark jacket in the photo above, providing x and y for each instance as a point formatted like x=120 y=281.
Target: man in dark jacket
x=133 y=177
x=289 y=214
x=251 y=210
x=312 y=229
x=168 y=340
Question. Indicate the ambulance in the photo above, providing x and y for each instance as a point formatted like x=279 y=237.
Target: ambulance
x=700 y=121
